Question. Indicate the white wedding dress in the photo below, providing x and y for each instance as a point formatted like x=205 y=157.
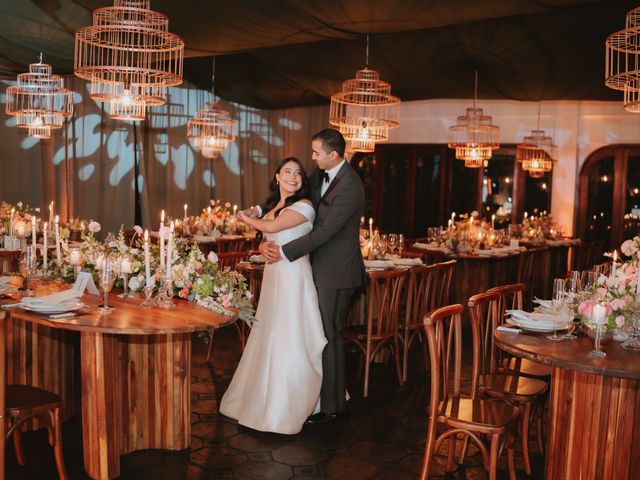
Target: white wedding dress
x=277 y=383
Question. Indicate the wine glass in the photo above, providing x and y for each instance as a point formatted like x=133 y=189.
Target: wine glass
x=384 y=244
x=572 y=295
x=392 y=242
x=557 y=302
x=107 y=278
x=27 y=268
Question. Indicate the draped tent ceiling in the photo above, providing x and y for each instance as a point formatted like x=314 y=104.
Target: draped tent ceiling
x=280 y=54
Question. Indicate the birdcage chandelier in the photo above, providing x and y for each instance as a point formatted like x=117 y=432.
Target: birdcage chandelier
x=622 y=61
x=39 y=101
x=212 y=129
x=474 y=137
x=130 y=58
x=364 y=111
x=537 y=152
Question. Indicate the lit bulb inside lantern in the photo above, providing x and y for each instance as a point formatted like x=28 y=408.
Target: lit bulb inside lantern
x=37 y=122
x=364 y=132
x=535 y=164
x=473 y=153
x=126 y=98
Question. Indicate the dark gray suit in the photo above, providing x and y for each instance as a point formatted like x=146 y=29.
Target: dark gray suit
x=337 y=269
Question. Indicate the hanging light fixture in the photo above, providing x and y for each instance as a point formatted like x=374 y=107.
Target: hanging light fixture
x=537 y=152
x=474 y=137
x=39 y=101
x=212 y=129
x=622 y=68
x=364 y=111
x=130 y=58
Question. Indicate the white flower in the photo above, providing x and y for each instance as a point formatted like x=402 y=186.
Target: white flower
x=629 y=247
x=37 y=209
x=212 y=257
x=19 y=204
x=138 y=229
x=94 y=227
x=136 y=283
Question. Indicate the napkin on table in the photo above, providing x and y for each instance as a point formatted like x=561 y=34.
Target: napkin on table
x=54 y=299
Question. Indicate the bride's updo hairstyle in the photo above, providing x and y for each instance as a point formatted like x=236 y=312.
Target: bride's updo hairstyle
x=274 y=198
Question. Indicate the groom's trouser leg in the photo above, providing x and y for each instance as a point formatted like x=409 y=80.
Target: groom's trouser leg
x=334 y=305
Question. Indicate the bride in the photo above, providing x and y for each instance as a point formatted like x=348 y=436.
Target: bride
x=277 y=383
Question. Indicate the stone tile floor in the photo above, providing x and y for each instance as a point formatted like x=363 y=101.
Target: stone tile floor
x=379 y=438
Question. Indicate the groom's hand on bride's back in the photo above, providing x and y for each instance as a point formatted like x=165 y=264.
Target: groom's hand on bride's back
x=270 y=251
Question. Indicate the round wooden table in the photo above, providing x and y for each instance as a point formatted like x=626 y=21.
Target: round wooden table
x=135 y=372
x=594 y=424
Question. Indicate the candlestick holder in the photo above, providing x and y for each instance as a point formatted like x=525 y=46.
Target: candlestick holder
x=149 y=301
x=596 y=352
x=126 y=293
x=76 y=271
x=58 y=272
x=165 y=294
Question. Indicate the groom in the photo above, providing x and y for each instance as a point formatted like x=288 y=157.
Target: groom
x=338 y=197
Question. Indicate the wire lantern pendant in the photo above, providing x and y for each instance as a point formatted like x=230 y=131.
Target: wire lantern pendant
x=130 y=58
x=537 y=152
x=622 y=61
x=39 y=101
x=474 y=137
x=364 y=111
x=212 y=129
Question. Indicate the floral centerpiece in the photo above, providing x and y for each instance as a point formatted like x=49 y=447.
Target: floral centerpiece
x=16 y=219
x=215 y=220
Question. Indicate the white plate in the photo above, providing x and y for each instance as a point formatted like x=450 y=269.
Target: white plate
x=539 y=328
x=48 y=309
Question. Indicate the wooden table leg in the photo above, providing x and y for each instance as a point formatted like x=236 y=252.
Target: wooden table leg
x=3 y=366
x=594 y=427
x=100 y=415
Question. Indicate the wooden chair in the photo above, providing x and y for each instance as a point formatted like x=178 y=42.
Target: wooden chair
x=384 y=292
x=533 y=271
x=24 y=402
x=227 y=245
x=230 y=259
x=428 y=289
x=474 y=418
x=9 y=261
x=511 y=297
x=528 y=393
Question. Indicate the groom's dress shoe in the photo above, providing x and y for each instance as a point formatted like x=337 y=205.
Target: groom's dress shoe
x=320 y=418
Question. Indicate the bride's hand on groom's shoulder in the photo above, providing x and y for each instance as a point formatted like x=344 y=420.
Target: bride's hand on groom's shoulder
x=270 y=251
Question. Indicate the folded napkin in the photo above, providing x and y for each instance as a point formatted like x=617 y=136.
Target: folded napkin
x=203 y=239
x=543 y=303
x=5 y=280
x=407 y=261
x=431 y=246
x=538 y=318
x=231 y=237
x=257 y=259
x=66 y=296
x=378 y=264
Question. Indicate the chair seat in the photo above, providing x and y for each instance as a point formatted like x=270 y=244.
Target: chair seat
x=528 y=368
x=21 y=399
x=513 y=386
x=359 y=332
x=478 y=414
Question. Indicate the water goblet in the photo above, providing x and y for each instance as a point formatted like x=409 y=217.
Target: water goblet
x=572 y=296
x=557 y=302
x=384 y=245
x=392 y=242
x=107 y=278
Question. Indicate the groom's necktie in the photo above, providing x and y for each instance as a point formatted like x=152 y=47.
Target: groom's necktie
x=325 y=183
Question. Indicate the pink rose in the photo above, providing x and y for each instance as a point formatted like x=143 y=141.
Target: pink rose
x=586 y=308
x=226 y=300
x=184 y=293
x=620 y=321
x=618 y=304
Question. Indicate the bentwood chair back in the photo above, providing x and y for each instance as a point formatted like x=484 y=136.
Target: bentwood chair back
x=383 y=304
x=533 y=271
x=230 y=259
x=226 y=245
x=9 y=261
x=472 y=418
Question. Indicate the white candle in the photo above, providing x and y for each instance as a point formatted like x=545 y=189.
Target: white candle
x=162 y=239
x=147 y=268
x=208 y=210
x=100 y=262
x=453 y=217
x=599 y=314
x=613 y=265
x=235 y=209
x=471 y=221
x=58 y=253
x=125 y=266
x=45 y=254
x=51 y=213
x=185 y=210
x=33 y=232
x=525 y=215
x=493 y=222
x=170 y=252
x=361 y=220
x=13 y=210
x=450 y=225
x=74 y=256
x=370 y=227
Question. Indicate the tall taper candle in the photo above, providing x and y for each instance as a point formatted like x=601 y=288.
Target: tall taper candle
x=58 y=253
x=185 y=211
x=161 y=233
x=170 y=252
x=45 y=254
x=613 y=265
x=147 y=267
x=33 y=232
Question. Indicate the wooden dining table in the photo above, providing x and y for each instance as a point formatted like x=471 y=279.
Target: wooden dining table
x=594 y=421
x=135 y=369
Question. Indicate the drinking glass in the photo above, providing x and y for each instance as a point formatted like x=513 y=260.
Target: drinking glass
x=392 y=242
x=572 y=295
x=27 y=268
x=588 y=281
x=400 y=244
x=384 y=244
x=557 y=302
x=107 y=278
x=633 y=342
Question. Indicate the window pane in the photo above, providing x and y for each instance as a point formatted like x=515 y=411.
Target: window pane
x=394 y=191
x=600 y=202
x=464 y=187
x=537 y=194
x=497 y=188
x=364 y=165
x=632 y=204
x=427 y=192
